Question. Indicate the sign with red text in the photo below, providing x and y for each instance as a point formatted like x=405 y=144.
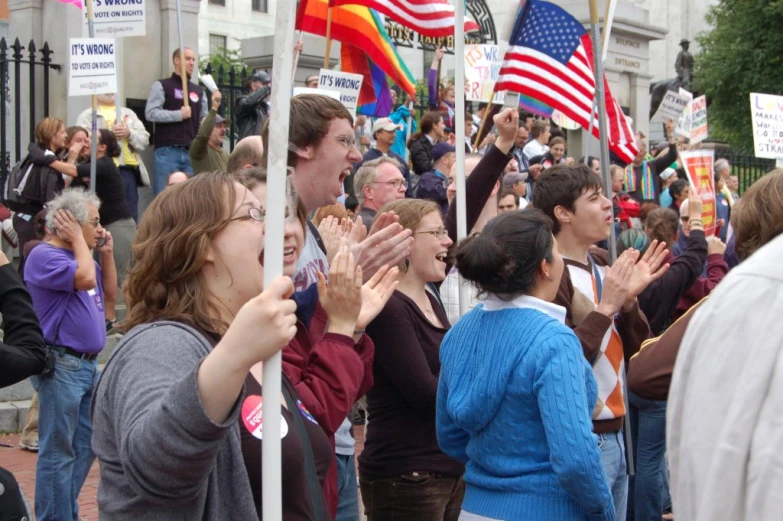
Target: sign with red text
x=699 y=129
x=482 y=67
x=698 y=166
x=767 y=113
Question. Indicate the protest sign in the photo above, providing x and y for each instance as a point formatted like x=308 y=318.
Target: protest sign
x=698 y=166
x=347 y=84
x=323 y=92
x=767 y=112
x=482 y=66
x=699 y=128
x=93 y=66
x=118 y=18
x=563 y=121
x=671 y=107
x=685 y=122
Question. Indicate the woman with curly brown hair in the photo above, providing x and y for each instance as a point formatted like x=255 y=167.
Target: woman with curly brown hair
x=166 y=412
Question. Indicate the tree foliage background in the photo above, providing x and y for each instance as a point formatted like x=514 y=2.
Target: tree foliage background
x=742 y=54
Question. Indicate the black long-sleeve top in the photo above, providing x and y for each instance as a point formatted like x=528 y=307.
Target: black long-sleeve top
x=22 y=351
x=659 y=299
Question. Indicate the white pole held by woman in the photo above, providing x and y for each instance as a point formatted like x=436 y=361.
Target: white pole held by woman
x=277 y=168
x=94 y=125
x=459 y=128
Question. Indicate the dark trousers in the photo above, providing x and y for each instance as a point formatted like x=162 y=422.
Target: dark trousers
x=420 y=496
x=130 y=184
x=25 y=231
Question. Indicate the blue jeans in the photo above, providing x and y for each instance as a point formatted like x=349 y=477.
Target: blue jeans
x=648 y=421
x=130 y=185
x=613 y=459
x=65 y=433
x=347 y=489
x=168 y=160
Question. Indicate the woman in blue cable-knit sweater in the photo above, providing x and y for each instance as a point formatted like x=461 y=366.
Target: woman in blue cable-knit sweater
x=515 y=391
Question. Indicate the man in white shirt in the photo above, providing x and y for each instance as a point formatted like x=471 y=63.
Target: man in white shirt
x=538 y=145
x=724 y=428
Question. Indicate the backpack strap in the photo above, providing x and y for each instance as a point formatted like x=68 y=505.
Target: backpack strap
x=316 y=235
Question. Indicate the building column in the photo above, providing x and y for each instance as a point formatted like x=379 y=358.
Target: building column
x=640 y=102
x=169 y=31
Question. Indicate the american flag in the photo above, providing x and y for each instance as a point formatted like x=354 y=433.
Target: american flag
x=428 y=17
x=550 y=59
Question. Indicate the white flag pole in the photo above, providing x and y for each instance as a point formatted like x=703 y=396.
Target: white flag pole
x=94 y=124
x=603 y=131
x=118 y=95
x=459 y=128
x=277 y=168
x=608 y=19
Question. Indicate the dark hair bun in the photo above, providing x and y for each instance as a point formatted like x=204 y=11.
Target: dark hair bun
x=505 y=257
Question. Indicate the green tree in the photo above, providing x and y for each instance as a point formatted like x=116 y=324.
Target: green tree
x=228 y=59
x=742 y=54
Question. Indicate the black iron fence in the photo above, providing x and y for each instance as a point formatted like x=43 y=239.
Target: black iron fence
x=747 y=167
x=13 y=66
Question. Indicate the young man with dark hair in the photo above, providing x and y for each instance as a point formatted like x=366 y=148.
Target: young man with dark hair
x=508 y=202
x=601 y=304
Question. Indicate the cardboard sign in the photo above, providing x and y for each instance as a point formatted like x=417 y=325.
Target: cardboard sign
x=482 y=67
x=323 y=92
x=93 y=66
x=671 y=108
x=698 y=166
x=767 y=112
x=117 y=18
x=699 y=129
x=685 y=122
x=347 y=84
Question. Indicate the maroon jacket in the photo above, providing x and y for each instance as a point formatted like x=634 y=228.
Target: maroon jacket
x=330 y=373
x=716 y=270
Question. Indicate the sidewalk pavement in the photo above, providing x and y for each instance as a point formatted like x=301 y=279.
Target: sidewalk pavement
x=22 y=464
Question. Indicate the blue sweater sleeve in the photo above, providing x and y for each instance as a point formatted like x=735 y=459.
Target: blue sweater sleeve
x=561 y=387
x=452 y=439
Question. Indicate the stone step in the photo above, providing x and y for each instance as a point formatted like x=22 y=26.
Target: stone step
x=13 y=415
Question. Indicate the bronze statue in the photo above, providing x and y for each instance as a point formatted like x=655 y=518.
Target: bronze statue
x=684 y=65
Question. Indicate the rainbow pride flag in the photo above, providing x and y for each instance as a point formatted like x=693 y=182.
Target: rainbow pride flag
x=361 y=27
x=534 y=106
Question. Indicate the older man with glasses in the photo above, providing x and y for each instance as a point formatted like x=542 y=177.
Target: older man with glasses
x=376 y=183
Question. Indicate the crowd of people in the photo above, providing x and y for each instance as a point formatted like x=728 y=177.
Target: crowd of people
x=539 y=403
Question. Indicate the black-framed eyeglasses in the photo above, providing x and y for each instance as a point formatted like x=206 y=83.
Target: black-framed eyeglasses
x=257 y=214
x=396 y=183
x=440 y=233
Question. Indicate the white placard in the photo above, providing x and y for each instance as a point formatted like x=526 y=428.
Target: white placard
x=117 y=18
x=767 y=113
x=699 y=129
x=671 y=107
x=92 y=66
x=347 y=84
x=685 y=122
x=323 y=92
x=482 y=67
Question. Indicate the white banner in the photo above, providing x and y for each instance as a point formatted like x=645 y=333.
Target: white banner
x=117 y=18
x=93 y=66
x=671 y=107
x=482 y=66
x=767 y=113
x=347 y=84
